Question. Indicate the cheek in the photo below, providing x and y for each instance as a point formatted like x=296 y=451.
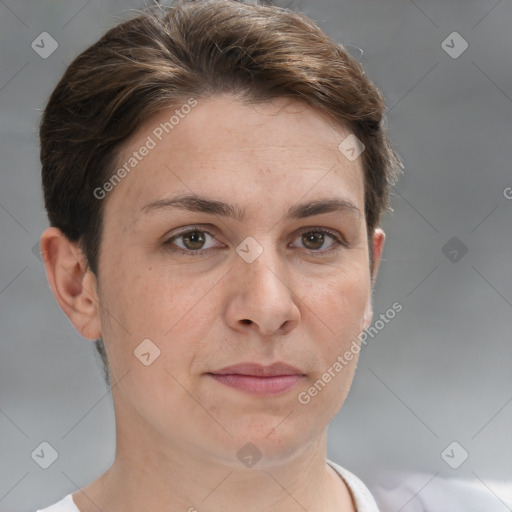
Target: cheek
x=339 y=302
x=334 y=323
x=169 y=309
x=138 y=295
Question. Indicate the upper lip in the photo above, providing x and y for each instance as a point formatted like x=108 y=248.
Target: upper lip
x=259 y=370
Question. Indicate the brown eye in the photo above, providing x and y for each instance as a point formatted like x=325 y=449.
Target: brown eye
x=313 y=240
x=193 y=241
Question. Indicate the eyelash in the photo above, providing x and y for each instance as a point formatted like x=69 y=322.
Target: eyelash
x=339 y=242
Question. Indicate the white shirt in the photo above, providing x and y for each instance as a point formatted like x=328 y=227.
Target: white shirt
x=362 y=497
x=423 y=492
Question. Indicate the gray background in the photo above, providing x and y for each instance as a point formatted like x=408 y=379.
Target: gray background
x=440 y=371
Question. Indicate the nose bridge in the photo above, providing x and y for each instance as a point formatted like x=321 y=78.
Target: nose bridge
x=261 y=259
x=263 y=294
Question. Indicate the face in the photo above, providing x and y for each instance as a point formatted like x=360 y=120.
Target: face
x=257 y=277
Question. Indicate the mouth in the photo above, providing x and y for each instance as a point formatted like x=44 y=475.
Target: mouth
x=257 y=379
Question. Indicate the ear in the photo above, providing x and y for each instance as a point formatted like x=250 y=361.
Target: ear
x=378 y=243
x=73 y=283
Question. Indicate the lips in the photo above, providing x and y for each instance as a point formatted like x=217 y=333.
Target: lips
x=256 y=379
x=258 y=370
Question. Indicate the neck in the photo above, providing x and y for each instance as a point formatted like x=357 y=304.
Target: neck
x=152 y=473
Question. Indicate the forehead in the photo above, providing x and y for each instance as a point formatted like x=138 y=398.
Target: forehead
x=264 y=153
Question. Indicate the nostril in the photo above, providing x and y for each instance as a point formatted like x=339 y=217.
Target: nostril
x=247 y=321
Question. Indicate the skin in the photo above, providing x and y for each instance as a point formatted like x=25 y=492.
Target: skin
x=178 y=430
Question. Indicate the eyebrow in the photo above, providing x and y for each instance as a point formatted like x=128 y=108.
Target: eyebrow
x=194 y=203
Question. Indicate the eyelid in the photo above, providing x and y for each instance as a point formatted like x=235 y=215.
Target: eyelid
x=188 y=229
x=339 y=240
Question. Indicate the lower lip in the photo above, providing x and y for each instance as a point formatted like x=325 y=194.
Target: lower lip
x=263 y=386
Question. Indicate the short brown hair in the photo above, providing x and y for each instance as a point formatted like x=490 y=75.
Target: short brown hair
x=202 y=48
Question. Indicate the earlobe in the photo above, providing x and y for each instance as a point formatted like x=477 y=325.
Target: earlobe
x=72 y=282
x=378 y=240
x=378 y=243
x=368 y=314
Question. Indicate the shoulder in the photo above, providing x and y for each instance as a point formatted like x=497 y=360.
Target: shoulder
x=362 y=496
x=66 y=504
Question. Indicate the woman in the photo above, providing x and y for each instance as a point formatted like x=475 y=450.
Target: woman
x=214 y=175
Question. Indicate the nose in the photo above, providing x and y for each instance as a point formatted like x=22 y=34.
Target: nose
x=262 y=297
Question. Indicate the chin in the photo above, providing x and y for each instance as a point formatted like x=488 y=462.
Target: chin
x=265 y=442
